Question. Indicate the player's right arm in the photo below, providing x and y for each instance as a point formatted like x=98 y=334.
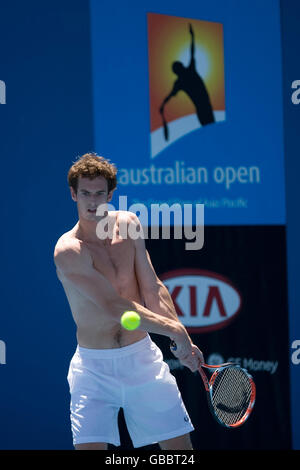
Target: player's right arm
x=174 y=92
x=74 y=262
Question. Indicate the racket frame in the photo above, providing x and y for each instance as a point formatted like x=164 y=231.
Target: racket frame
x=208 y=384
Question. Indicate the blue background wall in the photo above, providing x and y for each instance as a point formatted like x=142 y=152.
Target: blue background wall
x=45 y=61
x=290 y=19
x=46 y=122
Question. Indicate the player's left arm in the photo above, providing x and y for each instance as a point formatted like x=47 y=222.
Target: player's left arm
x=155 y=294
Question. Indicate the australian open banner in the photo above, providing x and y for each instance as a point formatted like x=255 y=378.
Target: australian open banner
x=188 y=107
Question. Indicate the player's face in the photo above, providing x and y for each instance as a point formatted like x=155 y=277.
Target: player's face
x=90 y=194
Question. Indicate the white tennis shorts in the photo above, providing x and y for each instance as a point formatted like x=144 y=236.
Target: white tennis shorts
x=134 y=378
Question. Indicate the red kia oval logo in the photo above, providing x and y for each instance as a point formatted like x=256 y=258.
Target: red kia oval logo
x=204 y=301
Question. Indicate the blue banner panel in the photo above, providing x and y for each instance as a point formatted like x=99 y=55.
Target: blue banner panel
x=188 y=104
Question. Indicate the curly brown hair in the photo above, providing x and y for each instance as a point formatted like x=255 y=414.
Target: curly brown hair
x=91 y=165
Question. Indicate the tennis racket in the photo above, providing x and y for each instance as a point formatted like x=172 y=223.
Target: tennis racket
x=230 y=392
x=165 y=126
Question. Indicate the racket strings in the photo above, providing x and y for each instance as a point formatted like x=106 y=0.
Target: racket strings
x=231 y=394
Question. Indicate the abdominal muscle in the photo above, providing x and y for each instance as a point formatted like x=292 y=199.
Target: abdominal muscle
x=94 y=328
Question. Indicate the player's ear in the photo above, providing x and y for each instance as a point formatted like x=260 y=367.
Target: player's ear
x=73 y=194
x=110 y=195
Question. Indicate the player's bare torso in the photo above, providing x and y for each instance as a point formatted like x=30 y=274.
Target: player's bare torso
x=114 y=258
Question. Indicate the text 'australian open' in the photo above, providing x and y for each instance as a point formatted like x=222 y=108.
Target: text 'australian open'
x=179 y=173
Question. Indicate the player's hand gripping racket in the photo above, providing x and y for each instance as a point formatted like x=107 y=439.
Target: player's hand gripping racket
x=230 y=392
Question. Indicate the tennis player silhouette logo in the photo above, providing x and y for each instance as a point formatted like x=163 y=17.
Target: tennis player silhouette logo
x=190 y=82
x=186 y=81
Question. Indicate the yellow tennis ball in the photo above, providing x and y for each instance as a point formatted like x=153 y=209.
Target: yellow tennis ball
x=130 y=320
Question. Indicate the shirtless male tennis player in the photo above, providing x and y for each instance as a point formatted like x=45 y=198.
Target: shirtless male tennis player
x=113 y=367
